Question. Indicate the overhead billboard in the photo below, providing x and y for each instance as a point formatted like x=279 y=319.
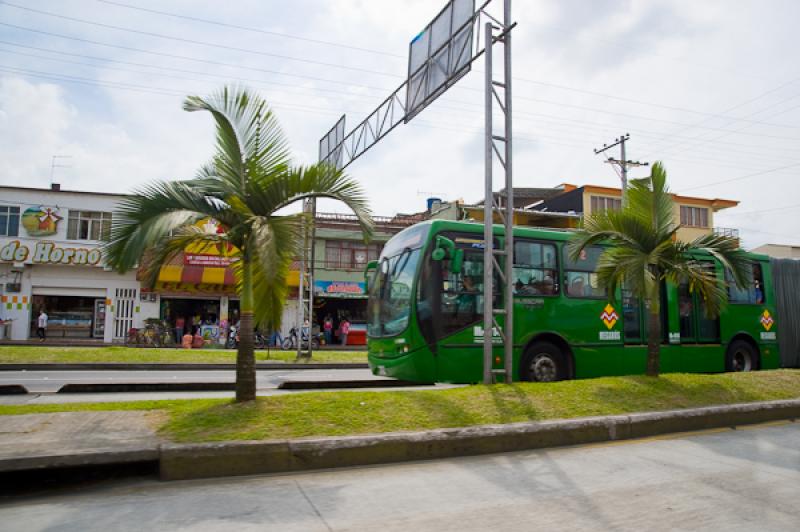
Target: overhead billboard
x=440 y=55
x=330 y=146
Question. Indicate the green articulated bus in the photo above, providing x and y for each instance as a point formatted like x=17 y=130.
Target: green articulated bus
x=425 y=313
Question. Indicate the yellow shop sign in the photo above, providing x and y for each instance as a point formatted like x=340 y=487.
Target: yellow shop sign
x=49 y=253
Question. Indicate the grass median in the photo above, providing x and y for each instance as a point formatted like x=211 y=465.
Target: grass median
x=350 y=413
x=40 y=354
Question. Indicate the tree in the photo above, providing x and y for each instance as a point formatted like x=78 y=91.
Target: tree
x=643 y=250
x=246 y=188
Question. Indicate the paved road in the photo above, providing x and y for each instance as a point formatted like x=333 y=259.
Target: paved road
x=51 y=381
x=44 y=384
x=747 y=479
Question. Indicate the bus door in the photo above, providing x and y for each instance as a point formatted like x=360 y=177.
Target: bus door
x=536 y=288
x=695 y=326
x=450 y=310
x=634 y=317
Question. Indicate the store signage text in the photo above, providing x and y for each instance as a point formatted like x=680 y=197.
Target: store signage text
x=210 y=261
x=49 y=253
x=344 y=288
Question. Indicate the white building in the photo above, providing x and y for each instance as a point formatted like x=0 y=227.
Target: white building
x=50 y=259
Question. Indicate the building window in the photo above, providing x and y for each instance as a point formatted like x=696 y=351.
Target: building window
x=694 y=216
x=9 y=221
x=349 y=255
x=602 y=203
x=88 y=225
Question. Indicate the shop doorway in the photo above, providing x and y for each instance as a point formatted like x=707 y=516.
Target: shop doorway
x=69 y=316
x=355 y=310
x=184 y=315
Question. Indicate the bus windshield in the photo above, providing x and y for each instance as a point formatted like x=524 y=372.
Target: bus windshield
x=390 y=289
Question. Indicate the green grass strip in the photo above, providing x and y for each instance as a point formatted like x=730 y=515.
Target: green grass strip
x=348 y=413
x=39 y=354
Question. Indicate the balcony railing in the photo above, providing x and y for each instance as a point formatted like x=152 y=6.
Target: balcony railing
x=727 y=231
x=403 y=220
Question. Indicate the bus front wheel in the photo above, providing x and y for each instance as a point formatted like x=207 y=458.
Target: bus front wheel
x=741 y=356
x=543 y=362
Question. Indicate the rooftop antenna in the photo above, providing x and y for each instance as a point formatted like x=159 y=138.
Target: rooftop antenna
x=55 y=164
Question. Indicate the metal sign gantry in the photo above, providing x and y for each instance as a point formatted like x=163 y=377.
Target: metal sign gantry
x=438 y=57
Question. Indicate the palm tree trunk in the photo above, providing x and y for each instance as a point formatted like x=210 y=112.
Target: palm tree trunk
x=653 y=344
x=245 y=357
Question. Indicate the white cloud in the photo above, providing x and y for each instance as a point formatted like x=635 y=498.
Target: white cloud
x=674 y=56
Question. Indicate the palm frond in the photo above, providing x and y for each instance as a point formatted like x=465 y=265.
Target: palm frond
x=151 y=215
x=248 y=134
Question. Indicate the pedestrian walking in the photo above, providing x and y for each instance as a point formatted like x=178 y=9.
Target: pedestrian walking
x=344 y=329
x=41 y=330
x=327 y=327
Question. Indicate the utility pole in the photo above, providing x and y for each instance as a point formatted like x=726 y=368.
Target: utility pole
x=622 y=162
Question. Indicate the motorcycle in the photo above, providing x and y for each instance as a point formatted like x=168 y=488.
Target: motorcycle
x=232 y=342
x=290 y=342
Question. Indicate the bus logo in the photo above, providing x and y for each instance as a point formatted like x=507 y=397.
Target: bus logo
x=609 y=316
x=766 y=320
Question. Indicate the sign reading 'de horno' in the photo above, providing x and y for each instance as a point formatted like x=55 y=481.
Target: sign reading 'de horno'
x=49 y=253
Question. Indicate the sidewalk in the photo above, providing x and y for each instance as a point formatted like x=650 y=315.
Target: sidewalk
x=67 y=439
x=39 y=441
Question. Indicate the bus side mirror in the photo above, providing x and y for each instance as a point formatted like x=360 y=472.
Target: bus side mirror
x=446 y=249
x=371 y=266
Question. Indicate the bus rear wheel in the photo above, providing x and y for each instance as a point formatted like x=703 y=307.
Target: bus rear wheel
x=741 y=356
x=543 y=362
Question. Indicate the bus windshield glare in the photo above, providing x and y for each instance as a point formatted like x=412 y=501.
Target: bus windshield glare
x=390 y=288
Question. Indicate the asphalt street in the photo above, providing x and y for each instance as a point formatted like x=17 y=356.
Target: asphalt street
x=43 y=385
x=51 y=381
x=746 y=479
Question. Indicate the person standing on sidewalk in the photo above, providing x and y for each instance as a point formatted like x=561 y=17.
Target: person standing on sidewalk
x=327 y=327
x=344 y=329
x=41 y=330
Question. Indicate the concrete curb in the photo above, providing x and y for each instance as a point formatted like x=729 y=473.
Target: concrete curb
x=122 y=387
x=13 y=389
x=191 y=366
x=95 y=457
x=328 y=385
x=191 y=461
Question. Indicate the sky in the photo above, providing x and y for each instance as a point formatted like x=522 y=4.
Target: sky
x=711 y=89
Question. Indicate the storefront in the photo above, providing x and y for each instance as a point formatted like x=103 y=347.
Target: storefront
x=51 y=261
x=339 y=300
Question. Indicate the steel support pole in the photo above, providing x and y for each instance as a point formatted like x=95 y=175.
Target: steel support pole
x=624 y=166
x=488 y=218
x=312 y=256
x=300 y=303
x=508 y=326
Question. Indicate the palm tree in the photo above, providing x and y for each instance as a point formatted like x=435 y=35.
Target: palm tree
x=644 y=250
x=246 y=188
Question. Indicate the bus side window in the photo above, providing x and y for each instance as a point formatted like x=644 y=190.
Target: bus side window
x=535 y=269
x=753 y=293
x=580 y=277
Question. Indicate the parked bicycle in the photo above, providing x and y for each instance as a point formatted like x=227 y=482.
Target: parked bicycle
x=153 y=334
x=290 y=342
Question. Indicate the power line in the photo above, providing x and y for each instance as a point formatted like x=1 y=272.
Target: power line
x=248 y=28
x=195 y=42
x=652 y=104
x=771 y=170
x=371 y=71
x=185 y=58
x=775 y=209
x=560 y=104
